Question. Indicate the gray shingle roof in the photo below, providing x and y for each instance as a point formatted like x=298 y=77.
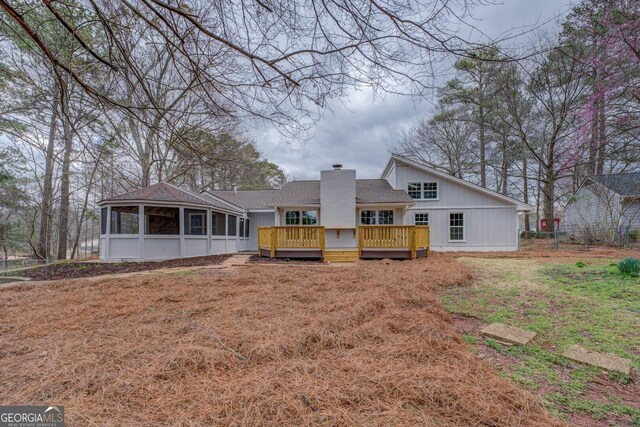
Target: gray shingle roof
x=625 y=184
x=163 y=192
x=300 y=193
x=247 y=199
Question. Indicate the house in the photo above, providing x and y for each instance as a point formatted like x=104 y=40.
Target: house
x=410 y=210
x=604 y=204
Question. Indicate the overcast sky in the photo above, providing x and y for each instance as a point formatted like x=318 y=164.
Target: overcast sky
x=361 y=133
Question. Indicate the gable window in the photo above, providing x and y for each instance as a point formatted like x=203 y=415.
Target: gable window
x=415 y=190
x=195 y=222
x=421 y=219
x=385 y=217
x=423 y=190
x=456 y=226
x=430 y=190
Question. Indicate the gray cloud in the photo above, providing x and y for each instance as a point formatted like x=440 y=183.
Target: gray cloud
x=361 y=133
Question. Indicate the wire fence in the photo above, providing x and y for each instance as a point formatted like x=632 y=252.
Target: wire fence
x=588 y=236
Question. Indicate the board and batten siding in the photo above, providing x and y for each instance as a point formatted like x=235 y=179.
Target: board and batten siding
x=258 y=219
x=490 y=223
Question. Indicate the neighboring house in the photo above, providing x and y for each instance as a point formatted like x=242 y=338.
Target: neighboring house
x=605 y=203
x=337 y=217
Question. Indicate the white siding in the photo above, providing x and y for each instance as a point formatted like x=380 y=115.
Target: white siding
x=195 y=246
x=338 y=197
x=490 y=223
x=161 y=247
x=258 y=219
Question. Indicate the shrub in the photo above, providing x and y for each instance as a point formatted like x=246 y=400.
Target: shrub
x=581 y=264
x=629 y=267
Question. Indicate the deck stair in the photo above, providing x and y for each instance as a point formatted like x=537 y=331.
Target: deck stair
x=341 y=255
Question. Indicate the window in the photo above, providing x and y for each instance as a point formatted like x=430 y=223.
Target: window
x=242 y=229
x=309 y=217
x=161 y=220
x=124 y=220
x=385 y=217
x=430 y=190
x=103 y=221
x=195 y=222
x=456 y=226
x=246 y=227
x=292 y=218
x=368 y=217
x=421 y=219
x=371 y=217
x=231 y=225
x=217 y=224
x=415 y=190
x=301 y=217
x=423 y=190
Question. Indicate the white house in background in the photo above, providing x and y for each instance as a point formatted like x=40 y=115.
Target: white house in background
x=411 y=209
x=605 y=203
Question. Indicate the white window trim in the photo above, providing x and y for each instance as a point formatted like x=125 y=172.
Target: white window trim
x=464 y=226
x=422 y=199
x=422 y=212
x=301 y=217
x=377 y=215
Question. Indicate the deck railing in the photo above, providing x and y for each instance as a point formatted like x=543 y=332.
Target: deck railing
x=291 y=237
x=411 y=237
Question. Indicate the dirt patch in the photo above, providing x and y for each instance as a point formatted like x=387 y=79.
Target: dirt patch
x=78 y=270
x=368 y=345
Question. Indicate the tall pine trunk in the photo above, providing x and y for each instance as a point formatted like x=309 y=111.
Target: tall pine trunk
x=65 y=184
x=46 y=215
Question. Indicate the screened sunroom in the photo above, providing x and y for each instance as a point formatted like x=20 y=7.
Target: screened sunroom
x=164 y=222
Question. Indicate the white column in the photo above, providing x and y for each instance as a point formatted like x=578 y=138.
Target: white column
x=226 y=233
x=141 y=221
x=209 y=232
x=181 y=219
x=108 y=234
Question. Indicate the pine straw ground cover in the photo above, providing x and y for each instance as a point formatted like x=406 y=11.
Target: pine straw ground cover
x=257 y=345
x=77 y=270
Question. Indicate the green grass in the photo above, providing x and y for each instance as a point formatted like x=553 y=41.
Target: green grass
x=586 y=303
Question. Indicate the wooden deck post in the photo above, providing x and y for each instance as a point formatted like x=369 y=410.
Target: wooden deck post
x=412 y=241
x=322 y=242
x=274 y=242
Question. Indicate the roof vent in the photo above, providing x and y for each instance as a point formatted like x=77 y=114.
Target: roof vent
x=337 y=166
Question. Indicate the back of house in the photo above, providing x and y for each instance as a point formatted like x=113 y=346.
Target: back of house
x=410 y=209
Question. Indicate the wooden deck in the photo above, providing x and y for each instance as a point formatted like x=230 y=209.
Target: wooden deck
x=373 y=242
